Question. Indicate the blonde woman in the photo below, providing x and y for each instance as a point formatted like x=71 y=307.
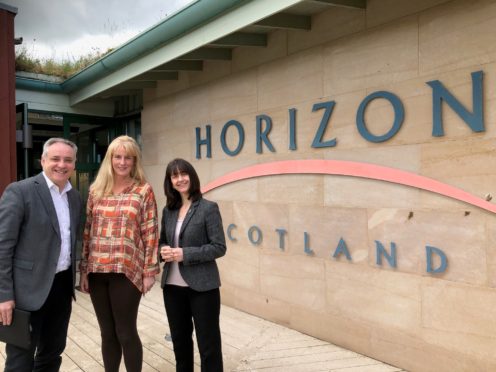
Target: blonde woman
x=119 y=260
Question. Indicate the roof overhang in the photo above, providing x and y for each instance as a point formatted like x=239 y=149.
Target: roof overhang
x=204 y=30
x=243 y=15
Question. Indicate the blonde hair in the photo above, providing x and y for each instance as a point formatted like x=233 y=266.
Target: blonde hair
x=104 y=182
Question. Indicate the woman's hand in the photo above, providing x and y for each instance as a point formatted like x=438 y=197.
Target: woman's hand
x=177 y=254
x=83 y=283
x=148 y=282
x=171 y=254
x=166 y=253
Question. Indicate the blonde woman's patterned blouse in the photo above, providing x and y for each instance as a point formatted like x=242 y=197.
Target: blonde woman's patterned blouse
x=121 y=234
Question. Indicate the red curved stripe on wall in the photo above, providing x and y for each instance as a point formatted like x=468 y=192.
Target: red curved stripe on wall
x=354 y=169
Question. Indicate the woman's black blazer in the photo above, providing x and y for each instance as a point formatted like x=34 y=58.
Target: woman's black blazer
x=202 y=240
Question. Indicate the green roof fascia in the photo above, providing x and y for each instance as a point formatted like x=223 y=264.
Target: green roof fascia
x=178 y=24
x=38 y=85
x=232 y=19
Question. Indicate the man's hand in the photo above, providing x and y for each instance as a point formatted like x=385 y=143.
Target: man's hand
x=6 y=309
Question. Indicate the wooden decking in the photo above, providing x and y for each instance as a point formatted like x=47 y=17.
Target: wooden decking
x=249 y=344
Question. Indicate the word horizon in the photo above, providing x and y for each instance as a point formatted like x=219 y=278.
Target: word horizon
x=264 y=124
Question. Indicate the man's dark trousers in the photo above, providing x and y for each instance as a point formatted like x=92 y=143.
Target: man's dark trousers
x=49 y=331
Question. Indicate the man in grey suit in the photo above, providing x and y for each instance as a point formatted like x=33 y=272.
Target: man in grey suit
x=39 y=219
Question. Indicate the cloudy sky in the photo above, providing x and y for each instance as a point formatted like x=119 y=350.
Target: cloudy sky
x=67 y=29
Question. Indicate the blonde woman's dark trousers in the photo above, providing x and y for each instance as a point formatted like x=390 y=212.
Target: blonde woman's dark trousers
x=116 y=300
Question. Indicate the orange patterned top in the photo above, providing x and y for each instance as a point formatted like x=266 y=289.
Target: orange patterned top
x=121 y=234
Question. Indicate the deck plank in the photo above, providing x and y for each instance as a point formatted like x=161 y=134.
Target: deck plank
x=249 y=344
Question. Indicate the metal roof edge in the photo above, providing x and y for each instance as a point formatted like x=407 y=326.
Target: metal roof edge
x=178 y=24
x=38 y=85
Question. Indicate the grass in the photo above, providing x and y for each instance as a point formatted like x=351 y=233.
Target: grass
x=24 y=61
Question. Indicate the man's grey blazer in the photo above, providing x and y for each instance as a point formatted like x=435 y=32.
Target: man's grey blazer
x=30 y=241
x=202 y=240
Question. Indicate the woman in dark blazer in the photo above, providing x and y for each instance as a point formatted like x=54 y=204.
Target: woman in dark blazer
x=191 y=238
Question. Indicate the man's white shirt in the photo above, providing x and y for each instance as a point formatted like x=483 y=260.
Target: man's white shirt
x=61 y=203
